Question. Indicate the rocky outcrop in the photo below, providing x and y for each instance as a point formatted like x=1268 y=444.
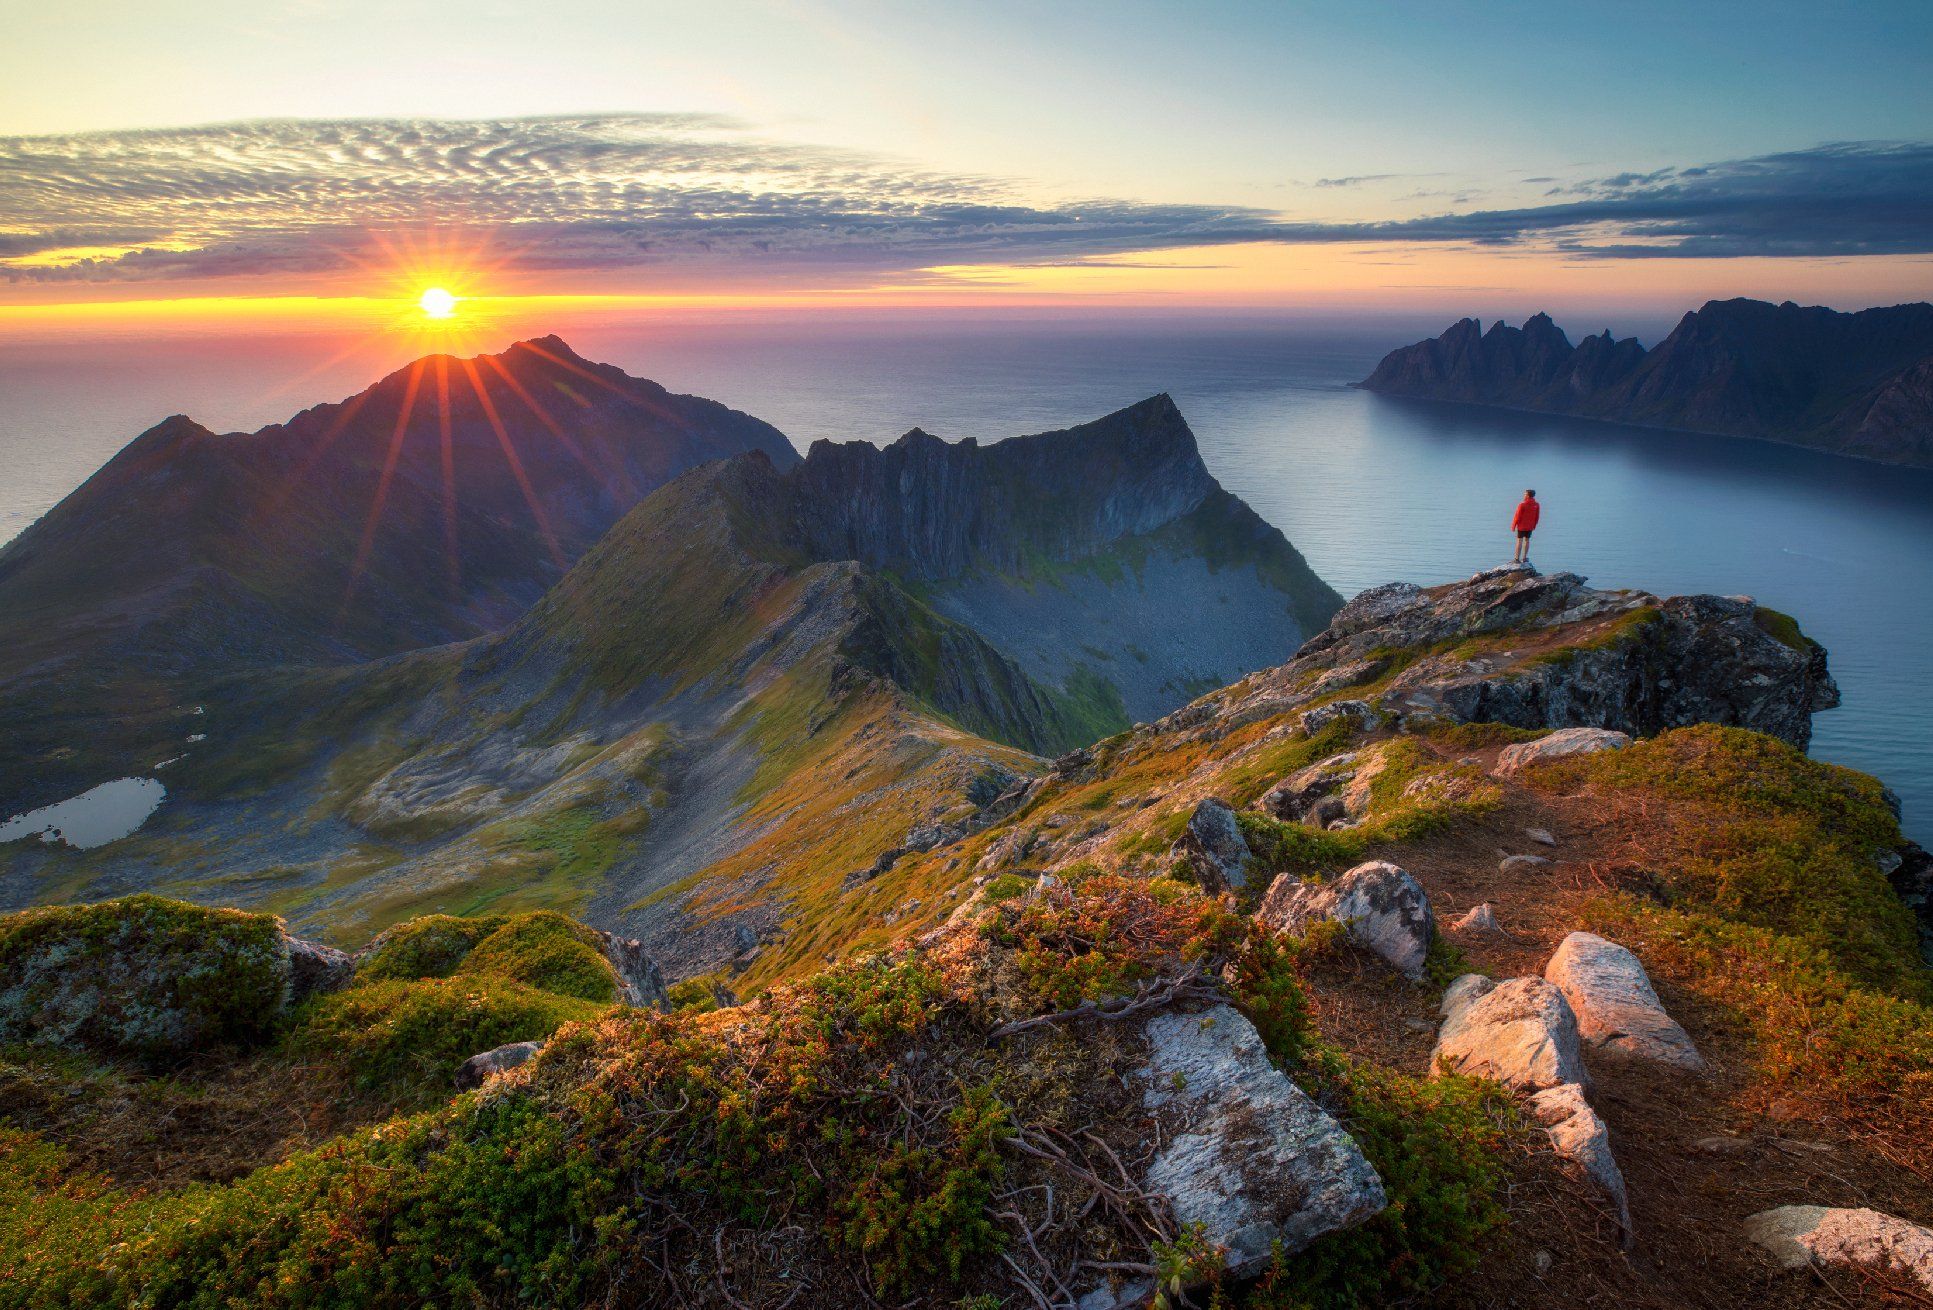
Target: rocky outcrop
x=1381 y=908
x=1244 y=1152
x=1530 y=650
x=1860 y=384
x=640 y=982
x=485 y=1065
x=1579 y=1135
x=1213 y=848
x=1618 y=1013
x=1565 y=741
x=315 y=969
x=1308 y=794
x=1521 y=1033
x=1799 y=1235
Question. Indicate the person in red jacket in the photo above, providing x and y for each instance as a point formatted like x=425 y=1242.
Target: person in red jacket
x=1523 y=523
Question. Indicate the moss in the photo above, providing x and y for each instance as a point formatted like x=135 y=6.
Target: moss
x=141 y=976
x=1481 y=736
x=1783 y=628
x=1625 y=629
x=404 y=1035
x=548 y=951
x=1006 y=887
x=433 y=946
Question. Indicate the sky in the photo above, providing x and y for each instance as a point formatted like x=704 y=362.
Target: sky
x=189 y=158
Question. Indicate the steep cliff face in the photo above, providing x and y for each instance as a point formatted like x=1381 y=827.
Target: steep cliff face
x=1853 y=383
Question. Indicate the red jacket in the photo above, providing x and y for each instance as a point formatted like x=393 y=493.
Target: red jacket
x=1525 y=519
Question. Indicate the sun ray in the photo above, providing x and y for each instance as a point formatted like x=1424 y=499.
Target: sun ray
x=447 y=453
x=556 y=430
x=516 y=463
x=382 y=488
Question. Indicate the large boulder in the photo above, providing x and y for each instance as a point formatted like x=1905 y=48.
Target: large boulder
x=1245 y=1152
x=316 y=969
x=1617 y=1012
x=1521 y=1033
x=1380 y=907
x=1579 y=1135
x=1799 y=1235
x=1214 y=848
x=485 y=1065
x=1563 y=742
x=144 y=977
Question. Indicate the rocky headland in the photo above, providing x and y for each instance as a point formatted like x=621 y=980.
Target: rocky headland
x=1854 y=384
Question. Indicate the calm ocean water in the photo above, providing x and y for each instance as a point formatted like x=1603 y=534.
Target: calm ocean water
x=1370 y=489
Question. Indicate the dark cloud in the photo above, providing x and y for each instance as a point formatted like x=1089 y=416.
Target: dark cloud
x=608 y=192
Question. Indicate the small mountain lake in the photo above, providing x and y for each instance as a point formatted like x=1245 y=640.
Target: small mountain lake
x=96 y=817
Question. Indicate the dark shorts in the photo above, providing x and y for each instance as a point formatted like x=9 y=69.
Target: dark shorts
x=1523 y=536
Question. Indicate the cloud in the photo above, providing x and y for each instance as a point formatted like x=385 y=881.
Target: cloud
x=621 y=191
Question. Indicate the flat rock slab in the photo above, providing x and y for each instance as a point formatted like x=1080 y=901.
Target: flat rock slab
x=1380 y=907
x=1521 y=1033
x=1565 y=741
x=1579 y=1135
x=1798 y=1235
x=1617 y=1012
x=1245 y=1152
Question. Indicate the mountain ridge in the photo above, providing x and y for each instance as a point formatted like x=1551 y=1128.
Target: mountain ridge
x=1853 y=384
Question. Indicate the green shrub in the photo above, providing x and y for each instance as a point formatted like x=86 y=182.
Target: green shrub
x=1437 y=1143
x=547 y=950
x=141 y=976
x=412 y=1033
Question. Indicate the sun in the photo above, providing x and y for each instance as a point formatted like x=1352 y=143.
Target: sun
x=437 y=303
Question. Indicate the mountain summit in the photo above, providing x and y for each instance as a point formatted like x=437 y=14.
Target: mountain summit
x=436 y=505
x=1854 y=384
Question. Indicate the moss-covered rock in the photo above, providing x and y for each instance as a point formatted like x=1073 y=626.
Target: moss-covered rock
x=433 y=946
x=143 y=976
x=405 y=1035
x=548 y=951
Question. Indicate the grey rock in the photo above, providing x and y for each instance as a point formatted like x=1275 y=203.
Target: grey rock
x=1356 y=711
x=1799 y=1235
x=485 y=1065
x=1293 y=797
x=1214 y=847
x=1380 y=907
x=1618 y=1013
x=1541 y=836
x=1565 y=741
x=1579 y=1135
x=1479 y=919
x=315 y=969
x=1521 y=1033
x=1244 y=1151
x=1523 y=863
x=640 y=982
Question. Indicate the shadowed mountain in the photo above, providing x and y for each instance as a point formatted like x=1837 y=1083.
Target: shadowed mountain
x=1855 y=384
x=435 y=506
x=760 y=683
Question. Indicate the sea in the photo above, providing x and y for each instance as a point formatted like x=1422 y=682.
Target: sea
x=1370 y=489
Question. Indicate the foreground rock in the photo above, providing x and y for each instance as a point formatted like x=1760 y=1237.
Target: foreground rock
x=1521 y=1033
x=1380 y=907
x=485 y=1065
x=316 y=969
x=1214 y=849
x=1799 y=1235
x=1618 y=1014
x=1579 y=1135
x=1563 y=742
x=1246 y=1153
